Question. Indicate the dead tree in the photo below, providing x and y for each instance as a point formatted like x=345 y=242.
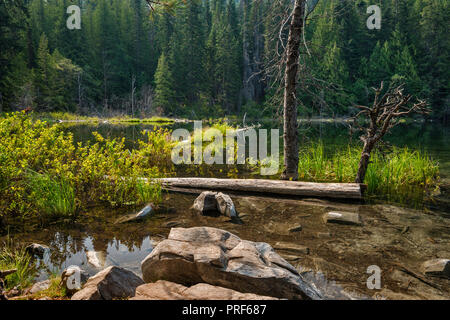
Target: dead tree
x=385 y=113
x=290 y=87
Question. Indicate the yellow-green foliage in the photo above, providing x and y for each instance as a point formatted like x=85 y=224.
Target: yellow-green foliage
x=42 y=172
x=66 y=116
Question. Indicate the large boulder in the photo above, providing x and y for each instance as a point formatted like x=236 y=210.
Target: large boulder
x=166 y=290
x=220 y=258
x=110 y=283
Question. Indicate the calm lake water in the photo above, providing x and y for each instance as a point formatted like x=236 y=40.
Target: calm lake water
x=426 y=136
x=338 y=255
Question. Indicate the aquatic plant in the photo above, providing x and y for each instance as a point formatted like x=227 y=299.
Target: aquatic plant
x=397 y=174
x=52 y=196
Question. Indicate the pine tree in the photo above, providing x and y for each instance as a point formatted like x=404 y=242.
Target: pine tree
x=44 y=76
x=164 y=93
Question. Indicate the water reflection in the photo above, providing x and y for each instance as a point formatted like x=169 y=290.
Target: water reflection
x=92 y=254
x=428 y=136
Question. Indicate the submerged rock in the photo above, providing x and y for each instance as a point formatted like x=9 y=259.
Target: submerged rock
x=108 y=284
x=437 y=268
x=351 y=218
x=73 y=278
x=166 y=290
x=144 y=213
x=220 y=258
x=297 y=228
x=36 y=249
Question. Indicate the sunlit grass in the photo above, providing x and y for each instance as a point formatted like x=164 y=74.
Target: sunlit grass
x=52 y=196
x=395 y=173
x=13 y=257
x=67 y=116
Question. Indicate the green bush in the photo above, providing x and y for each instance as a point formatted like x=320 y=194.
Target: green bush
x=44 y=174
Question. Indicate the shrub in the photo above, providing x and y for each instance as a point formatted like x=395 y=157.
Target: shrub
x=43 y=173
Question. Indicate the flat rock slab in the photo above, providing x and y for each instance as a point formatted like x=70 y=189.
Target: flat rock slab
x=437 y=268
x=110 y=283
x=166 y=290
x=349 y=218
x=220 y=258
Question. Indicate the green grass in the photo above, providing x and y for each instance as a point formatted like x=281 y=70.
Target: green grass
x=158 y=119
x=398 y=174
x=147 y=192
x=12 y=257
x=53 y=196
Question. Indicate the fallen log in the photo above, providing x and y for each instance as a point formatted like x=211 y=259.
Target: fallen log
x=281 y=187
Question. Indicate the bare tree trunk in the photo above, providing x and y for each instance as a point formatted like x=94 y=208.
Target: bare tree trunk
x=133 y=89
x=364 y=161
x=386 y=112
x=290 y=101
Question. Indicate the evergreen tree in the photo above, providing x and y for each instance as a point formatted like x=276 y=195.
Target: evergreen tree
x=164 y=93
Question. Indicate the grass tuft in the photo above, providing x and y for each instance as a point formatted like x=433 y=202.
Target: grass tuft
x=13 y=257
x=398 y=174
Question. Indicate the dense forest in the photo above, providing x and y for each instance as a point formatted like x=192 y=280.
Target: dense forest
x=213 y=58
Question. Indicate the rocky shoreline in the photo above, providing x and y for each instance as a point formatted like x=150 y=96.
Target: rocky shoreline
x=205 y=262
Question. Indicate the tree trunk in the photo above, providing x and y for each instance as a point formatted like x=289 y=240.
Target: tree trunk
x=290 y=101
x=364 y=161
x=269 y=187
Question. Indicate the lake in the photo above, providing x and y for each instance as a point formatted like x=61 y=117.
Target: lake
x=395 y=238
